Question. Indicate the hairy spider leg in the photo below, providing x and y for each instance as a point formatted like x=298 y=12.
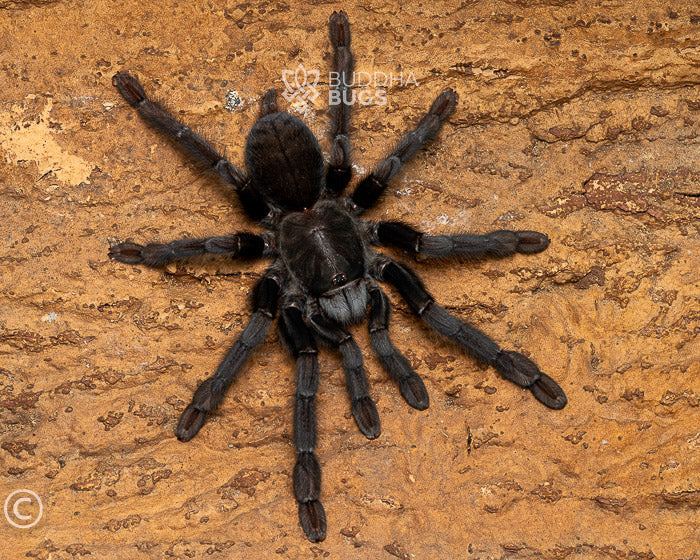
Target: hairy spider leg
x=368 y=191
x=511 y=365
x=363 y=408
x=132 y=91
x=500 y=243
x=243 y=245
x=339 y=170
x=307 y=471
x=410 y=384
x=209 y=394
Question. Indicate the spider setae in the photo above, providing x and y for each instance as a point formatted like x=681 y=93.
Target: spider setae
x=324 y=269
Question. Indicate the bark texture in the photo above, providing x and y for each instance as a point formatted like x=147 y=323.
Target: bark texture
x=578 y=119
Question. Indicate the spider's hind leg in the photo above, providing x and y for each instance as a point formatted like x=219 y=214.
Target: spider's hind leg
x=133 y=92
x=371 y=187
x=339 y=172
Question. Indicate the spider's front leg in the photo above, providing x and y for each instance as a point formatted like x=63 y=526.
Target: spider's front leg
x=209 y=394
x=500 y=243
x=307 y=471
x=243 y=245
x=512 y=365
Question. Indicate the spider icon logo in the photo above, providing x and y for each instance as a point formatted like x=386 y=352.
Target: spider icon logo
x=300 y=91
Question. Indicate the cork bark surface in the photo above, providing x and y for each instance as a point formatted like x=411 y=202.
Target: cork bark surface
x=578 y=119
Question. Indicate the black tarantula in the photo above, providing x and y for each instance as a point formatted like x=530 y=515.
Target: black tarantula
x=324 y=271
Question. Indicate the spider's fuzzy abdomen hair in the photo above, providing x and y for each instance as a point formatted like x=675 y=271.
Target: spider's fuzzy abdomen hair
x=285 y=162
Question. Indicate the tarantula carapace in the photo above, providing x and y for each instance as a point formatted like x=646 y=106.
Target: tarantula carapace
x=324 y=273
